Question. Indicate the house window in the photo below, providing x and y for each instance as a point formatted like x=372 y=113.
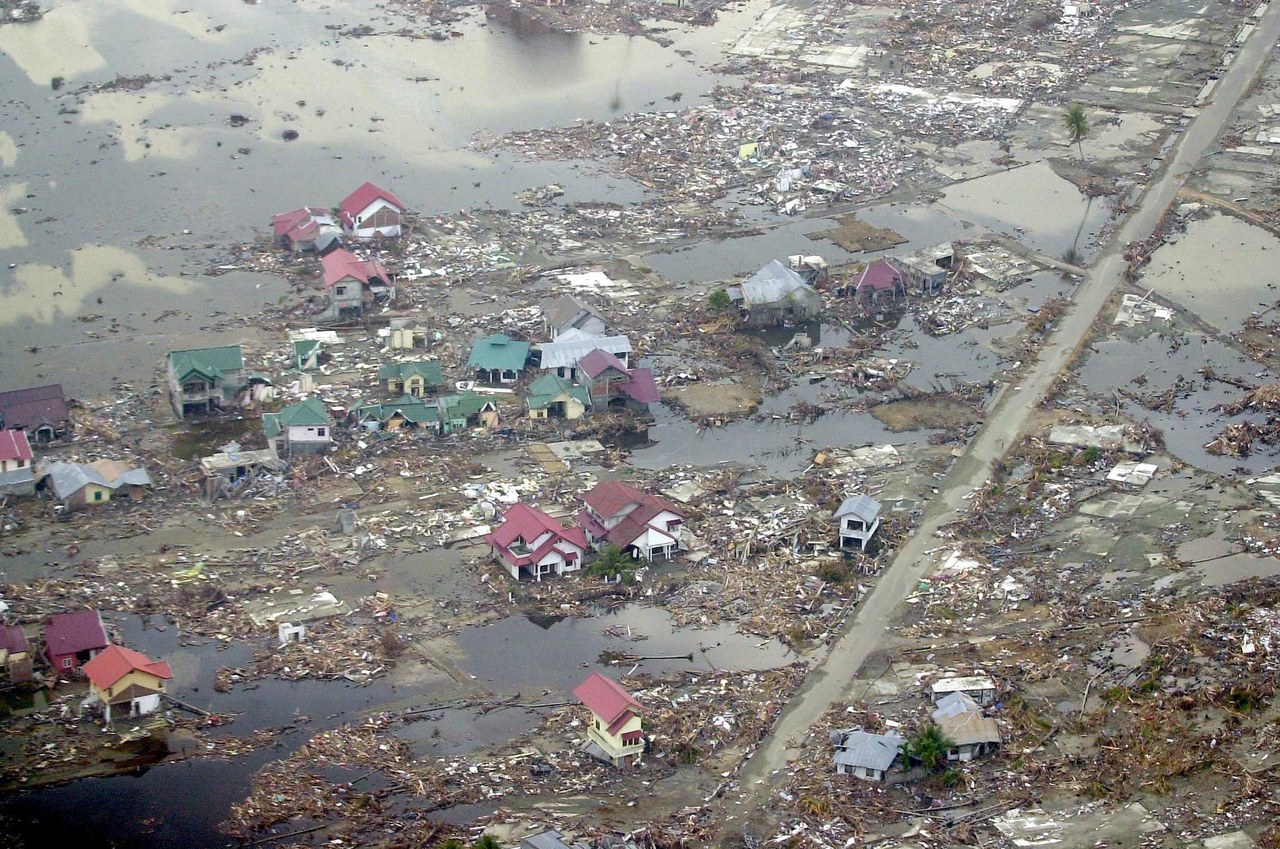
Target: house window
x=97 y=496
x=66 y=662
x=319 y=431
x=193 y=388
x=340 y=290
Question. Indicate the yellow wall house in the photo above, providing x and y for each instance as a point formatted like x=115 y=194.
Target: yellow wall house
x=126 y=680
x=615 y=732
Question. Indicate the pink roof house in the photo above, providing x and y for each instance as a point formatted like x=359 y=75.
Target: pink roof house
x=16 y=474
x=615 y=733
x=306 y=229
x=635 y=521
x=370 y=211
x=879 y=277
x=529 y=543
x=612 y=384
x=72 y=639
x=354 y=285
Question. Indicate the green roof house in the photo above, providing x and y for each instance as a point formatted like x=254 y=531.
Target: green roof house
x=415 y=379
x=406 y=412
x=553 y=397
x=469 y=409
x=203 y=379
x=302 y=428
x=306 y=352
x=498 y=359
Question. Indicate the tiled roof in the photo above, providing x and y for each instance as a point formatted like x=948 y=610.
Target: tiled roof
x=605 y=697
x=115 y=662
x=341 y=264
x=14 y=445
x=880 y=275
x=80 y=630
x=30 y=408
x=359 y=200
x=608 y=498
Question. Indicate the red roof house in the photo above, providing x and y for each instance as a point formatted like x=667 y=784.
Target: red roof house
x=306 y=229
x=880 y=276
x=16 y=473
x=615 y=729
x=371 y=211
x=123 y=677
x=632 y=520
x=353 y=284
x=72 y=639
x=14 y=446
x=40 y=410
x=15 y=653
x=613 y=384
x=532 y=544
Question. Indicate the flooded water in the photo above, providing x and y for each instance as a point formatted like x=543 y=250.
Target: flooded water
x=381 y=106
x=1222 y=269
x=1152 y=366
x=1217 y=561
x=516 y=654
x=1034 y=204
x=726 y=259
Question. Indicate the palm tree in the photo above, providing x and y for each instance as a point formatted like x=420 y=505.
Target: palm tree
x=611 y=561
x=929 y=746
x=1076 y=123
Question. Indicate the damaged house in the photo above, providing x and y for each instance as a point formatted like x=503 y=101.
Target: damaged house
x=202 y=380
x=308 y=229
x=859 y=519
x=354 y=286
x=565 y=313
x=775 y=295
x=612 y=385
x=634 y=521
x=73 y=639
x=17 y=474
x=562 y=356
x=961 y=720
x=531 y=544
x=868 y=756
x=415 y=378
x=77 y=485
x=552 y=397
x=40 y=411
x=878 y=281
x=371 y=212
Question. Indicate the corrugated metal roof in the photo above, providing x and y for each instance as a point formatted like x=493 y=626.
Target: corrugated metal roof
x=69 y=478
x=771 y=284
x=867 y=750
x=566 y=354
x=862 y=507
x=499 y=352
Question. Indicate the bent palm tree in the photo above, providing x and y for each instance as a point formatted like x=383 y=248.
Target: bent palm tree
x=1076 y=123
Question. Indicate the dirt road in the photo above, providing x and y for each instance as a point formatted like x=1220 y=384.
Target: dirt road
x=830 y=680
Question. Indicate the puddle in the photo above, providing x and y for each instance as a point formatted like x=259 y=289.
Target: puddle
x=1190 y=271
x=1032 y=203
x=1217 y=561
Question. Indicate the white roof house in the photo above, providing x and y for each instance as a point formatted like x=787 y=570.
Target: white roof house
x=562 y=355
x=859 y=518
x=980 y=688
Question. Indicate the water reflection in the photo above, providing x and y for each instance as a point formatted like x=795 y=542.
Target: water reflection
x=46 y=293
